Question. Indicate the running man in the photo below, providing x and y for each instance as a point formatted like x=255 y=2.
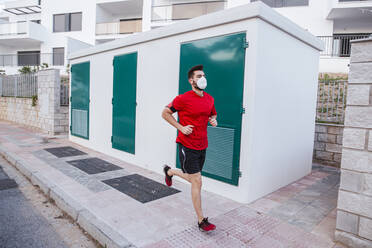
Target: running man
x=195 y=109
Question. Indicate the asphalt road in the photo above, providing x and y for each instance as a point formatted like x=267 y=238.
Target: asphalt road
x=20 y=224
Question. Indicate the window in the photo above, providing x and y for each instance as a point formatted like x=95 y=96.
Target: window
x=67 y=22
x=36 y=21
x=26 y=58
x=58 y=56
x=284 y=3
x=60 y=22
x=75 y=21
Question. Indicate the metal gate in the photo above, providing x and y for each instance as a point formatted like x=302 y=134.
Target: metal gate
x=223 y=58
x=124 y=102
x=80 y=80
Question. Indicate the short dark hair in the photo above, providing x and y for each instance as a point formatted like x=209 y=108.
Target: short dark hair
x=190 y=74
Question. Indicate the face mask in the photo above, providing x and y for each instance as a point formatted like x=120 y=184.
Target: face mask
x=202 y=83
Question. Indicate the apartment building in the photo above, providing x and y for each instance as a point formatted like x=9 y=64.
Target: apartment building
x=33 y=32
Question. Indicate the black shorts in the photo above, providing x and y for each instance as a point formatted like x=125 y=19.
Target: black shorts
x=191 y=160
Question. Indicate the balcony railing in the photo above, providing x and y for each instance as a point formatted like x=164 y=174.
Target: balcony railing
x=32 y=59
x=353 y=0
x=13 y=28
x=339 y=45
x=122 y=27
x=184 y=11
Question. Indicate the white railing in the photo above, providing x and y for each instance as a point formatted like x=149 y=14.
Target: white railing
x=22 y=85
x=331 y=101
x=32 y=59
x=339 y=45
x=122 y=27
x=13 y=28
x=184 y=11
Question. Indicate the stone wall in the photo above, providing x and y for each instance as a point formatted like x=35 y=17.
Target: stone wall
x=47 y=115
x=328 y=144
x=354 y=210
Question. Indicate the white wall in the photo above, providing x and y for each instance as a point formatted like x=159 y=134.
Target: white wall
x=102 y=15
x=334 y=65
x=281 y=118
x=146 y=15
x=74 y=45
x=88 y=8
x=353 y=26
x=311 y=18
x=155 y=139
x=59 y=39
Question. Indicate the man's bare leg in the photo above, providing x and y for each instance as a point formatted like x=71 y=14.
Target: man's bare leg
x=177 y=172
x=196 y=184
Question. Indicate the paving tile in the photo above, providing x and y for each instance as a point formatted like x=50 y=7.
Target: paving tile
x=267 y=241
x=64 y=151
x=264 y=205
x=308 y=217
x=243 y=233
x=306 y=181
x=141 y=188
x=325 y=204
x=159 y=244
x=288 y=209
x=326 y=229
x=277 y=197
x=93 y=165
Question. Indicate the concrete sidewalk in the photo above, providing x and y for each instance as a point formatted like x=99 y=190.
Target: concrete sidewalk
x=299 y=215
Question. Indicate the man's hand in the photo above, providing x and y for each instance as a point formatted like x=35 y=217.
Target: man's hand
x=213 y=121
x=186 y=130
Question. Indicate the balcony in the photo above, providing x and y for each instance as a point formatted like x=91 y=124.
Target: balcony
x=339 y=45
x=117 y=19
x=122 y=27
x=31 y=59
x=23 y=7
x=22 y=34
x=165 y=14
x=353 y=0
x=350 y=9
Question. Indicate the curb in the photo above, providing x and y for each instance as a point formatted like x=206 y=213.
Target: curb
x=99 y=230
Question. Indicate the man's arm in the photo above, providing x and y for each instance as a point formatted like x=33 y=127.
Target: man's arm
x=167 y=115
x=213 y=120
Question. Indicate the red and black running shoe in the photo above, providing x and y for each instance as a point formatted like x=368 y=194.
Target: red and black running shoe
x=168 y=179
x=206 y=226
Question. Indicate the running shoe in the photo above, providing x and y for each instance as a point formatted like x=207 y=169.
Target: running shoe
x=206 y=226
x=168 y=179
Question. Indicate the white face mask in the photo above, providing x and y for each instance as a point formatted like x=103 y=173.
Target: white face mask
x=202 y=83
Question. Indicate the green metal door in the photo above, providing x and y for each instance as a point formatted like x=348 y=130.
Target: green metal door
x=223 y=59
x=80 y=77
x=124 y=102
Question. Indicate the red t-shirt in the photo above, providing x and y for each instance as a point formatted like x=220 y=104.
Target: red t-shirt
x=194 y=110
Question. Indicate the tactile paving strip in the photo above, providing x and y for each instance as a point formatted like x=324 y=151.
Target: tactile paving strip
x=7 y=184
x=93 y=165
x=65 y=151
x=141 y=188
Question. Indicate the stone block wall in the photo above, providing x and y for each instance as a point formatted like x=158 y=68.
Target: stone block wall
x=47 y=116
x=328 y=144
x=354 y=209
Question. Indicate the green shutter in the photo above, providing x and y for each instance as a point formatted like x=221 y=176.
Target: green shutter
x=124 y=102
x=223 y=58
x=80 y=80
